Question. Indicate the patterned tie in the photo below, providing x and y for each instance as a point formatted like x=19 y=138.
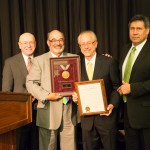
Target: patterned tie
x=127 y=70
x=29 y=63
x=65 y=100
x=89 y=70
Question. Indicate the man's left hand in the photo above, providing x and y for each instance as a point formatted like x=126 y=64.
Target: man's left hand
x=124 y=88
x=109 y=108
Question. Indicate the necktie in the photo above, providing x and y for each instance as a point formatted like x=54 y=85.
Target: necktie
x=29 y=64
x=128 y=67
x=90 y=71
x=65 y=100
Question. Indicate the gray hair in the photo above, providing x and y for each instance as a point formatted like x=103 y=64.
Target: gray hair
x=87 y=31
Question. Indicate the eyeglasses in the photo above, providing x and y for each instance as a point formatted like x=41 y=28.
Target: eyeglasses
x=87 y=44
x=26 y=43
x=55 y=40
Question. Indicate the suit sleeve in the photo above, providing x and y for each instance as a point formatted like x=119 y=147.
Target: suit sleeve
x=115 y=79
x=7 y=79
x=34 y=81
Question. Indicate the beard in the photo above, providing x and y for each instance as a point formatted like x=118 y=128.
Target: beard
x=58 y=50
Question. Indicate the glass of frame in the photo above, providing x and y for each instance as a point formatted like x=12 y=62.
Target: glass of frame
x=64 y=72
x=92 y=98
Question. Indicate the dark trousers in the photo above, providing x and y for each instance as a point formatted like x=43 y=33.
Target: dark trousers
x=27 y=137
x=99 y=137
x=136 y=139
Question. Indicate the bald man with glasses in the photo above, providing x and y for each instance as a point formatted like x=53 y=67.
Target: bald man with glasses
x=53 y=117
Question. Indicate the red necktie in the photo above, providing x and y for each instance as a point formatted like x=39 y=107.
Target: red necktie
x=29 y=64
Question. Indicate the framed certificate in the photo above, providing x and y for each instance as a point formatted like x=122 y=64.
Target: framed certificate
x=92 y=98
x=64 y=72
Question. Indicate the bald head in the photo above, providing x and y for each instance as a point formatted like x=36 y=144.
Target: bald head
x=27 y=43
x=25 y=36
x=54 y=33
x=55 y=42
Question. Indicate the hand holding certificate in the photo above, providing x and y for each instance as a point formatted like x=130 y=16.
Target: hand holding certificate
x=91 y=97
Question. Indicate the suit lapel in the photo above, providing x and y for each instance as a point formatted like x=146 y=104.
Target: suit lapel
x=98 y=66
x=124 y=54
x=140 y=58
x=84 y=76
x=22 y=65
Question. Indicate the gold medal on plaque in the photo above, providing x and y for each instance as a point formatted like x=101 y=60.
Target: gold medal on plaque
x=87 y=109
x=65 y=74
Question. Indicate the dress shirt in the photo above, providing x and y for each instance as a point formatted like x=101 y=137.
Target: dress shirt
x=26 y=58
x=92 y=61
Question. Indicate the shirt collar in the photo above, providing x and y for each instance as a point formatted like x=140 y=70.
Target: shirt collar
x=92 y=60
x=140 y=46
x=26 y=57
x=53 y=55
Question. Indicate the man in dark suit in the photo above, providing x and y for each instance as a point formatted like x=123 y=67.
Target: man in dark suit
x=136 y=90
x=99 y=129
x=14 y=77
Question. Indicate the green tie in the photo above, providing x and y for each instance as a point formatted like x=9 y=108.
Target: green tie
x=128 y=67
x=90 y=71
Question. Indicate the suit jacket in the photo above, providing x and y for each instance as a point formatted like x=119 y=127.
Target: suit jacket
x=138 y=101
x=14 y=74
x=49 y=114
x=107 y=69
x=14 y=79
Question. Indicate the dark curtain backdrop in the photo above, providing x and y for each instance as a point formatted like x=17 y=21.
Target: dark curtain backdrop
x=107 y=18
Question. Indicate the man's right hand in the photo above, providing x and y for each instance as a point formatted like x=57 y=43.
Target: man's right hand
x=54 y=96
x=75 y=97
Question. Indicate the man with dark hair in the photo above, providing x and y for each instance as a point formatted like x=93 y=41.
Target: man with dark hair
x=135 y=88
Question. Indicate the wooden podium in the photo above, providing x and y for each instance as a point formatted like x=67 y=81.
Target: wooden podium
x=15 y=111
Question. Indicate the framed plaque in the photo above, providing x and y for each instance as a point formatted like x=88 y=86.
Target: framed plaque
x=64 y=72
x=92 y=98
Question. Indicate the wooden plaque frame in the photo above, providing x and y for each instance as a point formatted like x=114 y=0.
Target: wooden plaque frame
x=64 y=72
x=89 y=91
